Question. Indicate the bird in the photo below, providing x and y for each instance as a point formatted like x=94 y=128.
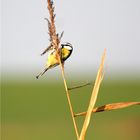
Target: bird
x=65 y=50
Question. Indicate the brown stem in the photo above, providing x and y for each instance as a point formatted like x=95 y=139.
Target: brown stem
x=80 y=86
x=69 y=101
x=55 y=42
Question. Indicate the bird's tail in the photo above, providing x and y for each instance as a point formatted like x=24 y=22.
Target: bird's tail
x=41 y=73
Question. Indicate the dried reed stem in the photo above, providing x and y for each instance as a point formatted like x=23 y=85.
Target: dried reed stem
x=80 y=86
x=93 y=98
x=109 y=107
x=55 y=42
x=68 y=97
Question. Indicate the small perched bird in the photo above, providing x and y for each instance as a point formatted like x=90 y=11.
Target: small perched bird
x=52 y=61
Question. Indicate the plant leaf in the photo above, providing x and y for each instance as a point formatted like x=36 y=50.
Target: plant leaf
x=93 y=98
x=109 y=107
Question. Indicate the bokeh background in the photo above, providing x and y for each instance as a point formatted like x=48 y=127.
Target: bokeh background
x=37 y=109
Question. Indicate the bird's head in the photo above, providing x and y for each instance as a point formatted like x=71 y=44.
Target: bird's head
x=67 y=46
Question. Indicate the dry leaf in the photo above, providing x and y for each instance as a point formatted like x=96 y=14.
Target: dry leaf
x=93 y=98
x=110 y=107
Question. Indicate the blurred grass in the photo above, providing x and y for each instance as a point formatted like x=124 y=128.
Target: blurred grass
x=38 y=110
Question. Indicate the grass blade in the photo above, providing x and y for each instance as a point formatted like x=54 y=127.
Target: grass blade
x=93 y=98
x=109 y=107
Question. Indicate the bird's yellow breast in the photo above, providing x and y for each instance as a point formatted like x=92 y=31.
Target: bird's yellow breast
x=65 y=53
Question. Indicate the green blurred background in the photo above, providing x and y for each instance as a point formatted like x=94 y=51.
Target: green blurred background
x=38 y=109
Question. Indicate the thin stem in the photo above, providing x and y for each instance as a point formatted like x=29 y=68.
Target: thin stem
x=55 y=42
x=68 y=97
x=80 y=86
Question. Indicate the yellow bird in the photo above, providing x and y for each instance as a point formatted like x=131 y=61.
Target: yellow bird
x=52 y=61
